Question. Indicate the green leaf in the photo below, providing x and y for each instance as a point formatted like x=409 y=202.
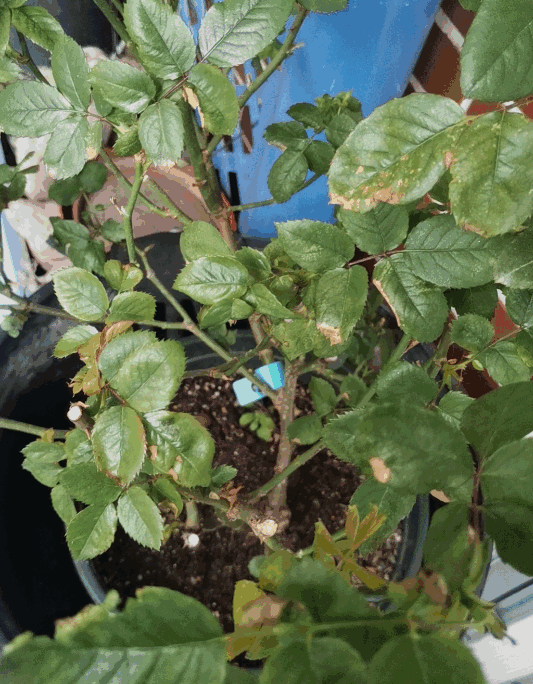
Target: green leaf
x=9 y=71
x=93 y=176
x=113 y=230
x=514 y=264
x=519 y=306
x=314 y=245
x=62 y=503
x=267 y=303
x=122 y=277
x=38 y=25
x=319 y=156
x=161 y=132
x=165 y=44
x=503 y=363
x=201 y=239
x=382 y=159
x=297 y=337
x=287 y=175
x=340 y=127
x=323 y=395
x=71 y=73
x=524 y=348
x=119 y=443
x=390 y=503
x=492 y=175
x=92 y=531
x=256 y=262
x=471 y=5
x=65 y=192
x=354 y=387
x=122 y=85
x=441 y=253
x=210 y=279
x=236 y=30
x=182 y=444
x=286 y=135
x=5 y=26
x=319 y=661
x=306 y=429
x=471 y=332
x=496 y=57
x=166 y=489
x=65 y=152
x=42 y=461
x=78 y=448
x=510 y=527
x=379 y=230
x=222 y=474
x=452 y=406
x=80 y=294
x=404 y=381
x=93 y=140
x=85 y=483
x=308 y=114
x=325 y=6
x=132 y=306
x=140 y=518
x=73 y=339
x=339 y=434
x=32 y=109
x=339 y=302
x=128 y=143
x=216 y=314
x=507 y=474
x=420 y=308
x=44 y=472
x=145 y=373
x=425 y=660
x=480 y=300
x=217 y=98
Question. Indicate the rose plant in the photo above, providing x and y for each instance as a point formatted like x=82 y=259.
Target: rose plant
x=437 y=202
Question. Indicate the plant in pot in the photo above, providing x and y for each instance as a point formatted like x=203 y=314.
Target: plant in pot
x=438 y=203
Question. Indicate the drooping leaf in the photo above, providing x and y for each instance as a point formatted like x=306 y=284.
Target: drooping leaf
x=182 y=444
x=499 y=417
x=42 y=461
x=383 y=159
x=38 y=25
x=161 y=132
x=122 y=85
x=132 y=306
x=496 y=57
x=339 y=302
x=305 y=429
x=377 y=231
x=514 y=264
x=92 y=531
x=510 y=525
x=453 y=405
x=62 y=503
x=71 y=73
x=81 y=294
x=504 y=364
x=323 y=395
x=314 y=245
x=499 y=477
x=404 y=381
x=140 y=518
x=287 y=175
x=236 y=30
x=165 y=44
x=217 y=98
x=73 y=339
x=286 y=135
x=85 y=483
x=420 y=307
x=32 y=109
x=65 y=151
x=210 y=279
x=201 y=239
x=119 y=443
x=471 y=332
x=492 y=176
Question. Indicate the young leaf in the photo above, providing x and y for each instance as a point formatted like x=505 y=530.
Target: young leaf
x=514 y=265
x=119 y=443
x=441 y=253
x=503 y=363
x=32 y=109
x=323 y=395
x=306 y=429
x=492 y=176
x=81 y=294
x=404 y=381
x=400 y=137
x=510 y=526
x=140 y=518
x=38 y=25
x=210 y=279
x=201 y=239
x=471 y=332
x=420 y=308
x=132 y=306
x=496 y=57
x=62 y=503
x=287 y=175
x=286 y=135
x=92 y=531
x=71 y=73
x=314 y=245
x=377 y=231
x=267 y=303
x=65 y=151
x=165 y=43
x=453 y=405
x=161 y=132
x=339 y=302
x=236 y=30
x=73 y=339
x=182 y=444
x=319 y=156
x=217 y=98
x=85 y=483
x=122 y=85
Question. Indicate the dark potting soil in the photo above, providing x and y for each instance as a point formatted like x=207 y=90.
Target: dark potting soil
x=321 y=489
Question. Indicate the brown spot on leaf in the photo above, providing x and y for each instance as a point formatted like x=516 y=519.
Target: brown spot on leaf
x=343 y=201
x=332 y=334
x=360 y=170
x=473 y=229
x=384 y=295
x=380 y=470
x=441 y=496
x=388 y=195
x=449 y=159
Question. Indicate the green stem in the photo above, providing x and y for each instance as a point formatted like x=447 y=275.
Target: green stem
x=268 y=202
x=294 y=465
x=193 y=519
x=432 y=365
x=28 y=60
x=140 y=170
x=170 y=204
x=8 y=424
x=118 y=5
x=274 y=63
x=46 y=310
x=116 y=23
x=338 y=536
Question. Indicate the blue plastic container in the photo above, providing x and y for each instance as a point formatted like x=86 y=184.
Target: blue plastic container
x=369 y=48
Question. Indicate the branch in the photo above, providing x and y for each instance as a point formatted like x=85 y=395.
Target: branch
x=8 y=424
x=140 y=170
x=46 y=310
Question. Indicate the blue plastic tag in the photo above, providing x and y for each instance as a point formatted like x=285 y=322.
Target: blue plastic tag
x=272 y=374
